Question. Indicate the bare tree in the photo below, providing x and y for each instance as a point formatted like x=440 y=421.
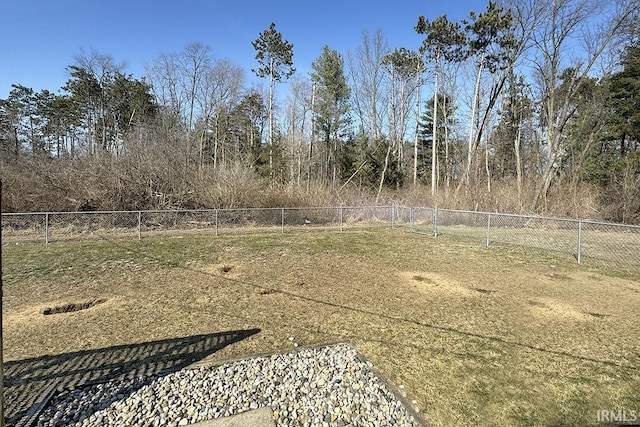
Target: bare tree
x=368 y=84
x=404 y=68
x=444 y=41
x=584 y=26
x=177 y=80
x=164 y=75
x=298 y=108
x=221 y=89
x=91 y=73
x=450 y=87
x=194 y=65
x=493 y=48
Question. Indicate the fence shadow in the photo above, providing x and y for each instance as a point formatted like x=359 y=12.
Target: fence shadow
x=30 y=382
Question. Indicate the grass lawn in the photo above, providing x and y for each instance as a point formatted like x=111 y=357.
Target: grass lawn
x=474 y=336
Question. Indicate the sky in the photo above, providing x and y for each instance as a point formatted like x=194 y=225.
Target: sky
x=39 y=38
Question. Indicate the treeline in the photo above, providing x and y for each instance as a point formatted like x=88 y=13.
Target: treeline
x=530 y=108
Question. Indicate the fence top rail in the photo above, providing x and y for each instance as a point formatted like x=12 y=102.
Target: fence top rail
x=548 y=218
x=68 y=213
x=295 y=208
x=23 y=213
x=192 y=210
x=584 y=221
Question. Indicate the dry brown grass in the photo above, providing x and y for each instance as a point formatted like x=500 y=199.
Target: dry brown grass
x=475 y=336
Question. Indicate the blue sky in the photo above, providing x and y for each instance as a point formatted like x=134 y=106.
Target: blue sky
x=39 y=38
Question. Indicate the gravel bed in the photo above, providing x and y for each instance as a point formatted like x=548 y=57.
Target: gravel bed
x=326 y=386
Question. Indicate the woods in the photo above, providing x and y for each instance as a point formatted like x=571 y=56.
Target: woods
x=527 y=107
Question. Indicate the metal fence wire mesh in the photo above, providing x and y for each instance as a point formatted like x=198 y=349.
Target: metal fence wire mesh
x=588 y=241
x=592 y=242
x=611 y=243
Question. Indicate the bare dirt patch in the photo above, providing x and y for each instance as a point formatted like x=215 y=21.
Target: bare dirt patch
x=433 y=283
x=219 y=269
x=224 y=269
x=554 y=310
x=71 y=307
x=596 y=315
x=484 y=291
x=34 y=316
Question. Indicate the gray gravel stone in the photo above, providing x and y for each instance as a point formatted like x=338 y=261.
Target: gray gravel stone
x=310 y=387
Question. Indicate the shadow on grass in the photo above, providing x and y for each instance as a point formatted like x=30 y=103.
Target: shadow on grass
x=30 y=382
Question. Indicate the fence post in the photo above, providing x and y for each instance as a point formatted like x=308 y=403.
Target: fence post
x=488 y=229
x=411 y=219
x=139 y=225
x=579 y=252
x=341 y=216
x=216 y=222
x=435 y=222
x=282 y=220
x=393 y=215
x=46 y=227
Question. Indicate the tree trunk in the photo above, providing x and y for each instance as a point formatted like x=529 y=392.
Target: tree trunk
x=271 y=118
x=384 y=171
x=470 y=149
x=434 y=138
x=400 y=140
x=17 y=143
x=313 y=133
x=335 y=161
x=447 y=160
x=474 y=109
x=486 y=167
x=300 y=139
x=417 y=134
x=518 y=160
x=292 y=139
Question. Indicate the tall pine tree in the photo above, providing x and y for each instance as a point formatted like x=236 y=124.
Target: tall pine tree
x=331 y=106
x=275 y=57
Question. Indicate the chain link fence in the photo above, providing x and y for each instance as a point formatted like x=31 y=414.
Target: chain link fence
x=592 y=242
x=588 y=241
x=49 y=227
